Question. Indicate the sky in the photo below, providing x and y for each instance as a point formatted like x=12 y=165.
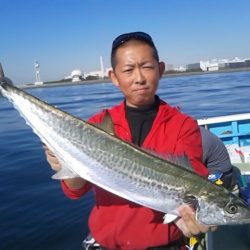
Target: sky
x=63 y=35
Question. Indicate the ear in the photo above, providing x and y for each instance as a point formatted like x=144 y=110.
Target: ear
x=161 y=68
x=113 y=78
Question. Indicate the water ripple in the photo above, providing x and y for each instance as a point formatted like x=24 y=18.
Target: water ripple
x=34 y=212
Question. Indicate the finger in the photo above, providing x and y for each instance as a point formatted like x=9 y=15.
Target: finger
x=54 y=163
x=56 y=167
x=182 y=226
x=45 y=147
x=52 y=159
x=188 y=215
x=49 y=152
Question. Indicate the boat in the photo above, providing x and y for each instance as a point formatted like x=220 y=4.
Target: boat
x=234 y=131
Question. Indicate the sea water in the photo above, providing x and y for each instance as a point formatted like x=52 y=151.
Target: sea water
x=34 y=213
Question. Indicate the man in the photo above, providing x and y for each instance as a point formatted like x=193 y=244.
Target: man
x=217 y=160
x=143 y=119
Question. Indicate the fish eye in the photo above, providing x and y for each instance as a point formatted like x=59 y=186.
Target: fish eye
x=231 y=208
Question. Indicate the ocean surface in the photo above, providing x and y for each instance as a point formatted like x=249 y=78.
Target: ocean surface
x=34 y=213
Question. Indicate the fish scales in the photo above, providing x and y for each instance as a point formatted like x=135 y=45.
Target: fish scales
x=118 y=156
x=122 y=168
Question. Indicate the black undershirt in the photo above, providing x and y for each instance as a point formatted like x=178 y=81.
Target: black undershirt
x=140 y=121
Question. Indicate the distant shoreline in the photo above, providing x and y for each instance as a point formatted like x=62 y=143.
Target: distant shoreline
x=54 y=84
x=206 y=72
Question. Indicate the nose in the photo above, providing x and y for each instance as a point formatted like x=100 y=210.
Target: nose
x=139 y=77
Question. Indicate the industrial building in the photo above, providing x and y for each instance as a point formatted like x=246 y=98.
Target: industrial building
x=218 y=64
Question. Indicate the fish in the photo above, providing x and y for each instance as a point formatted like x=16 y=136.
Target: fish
x=96 y=154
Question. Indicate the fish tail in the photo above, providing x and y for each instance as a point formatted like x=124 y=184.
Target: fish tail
x=3 y=79
x=1 y=71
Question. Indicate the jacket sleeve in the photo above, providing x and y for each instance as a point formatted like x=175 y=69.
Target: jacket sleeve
x=77 y=193
x=189 y=142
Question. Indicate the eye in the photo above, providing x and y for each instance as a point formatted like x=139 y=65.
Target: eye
x=148 y=67
x=127 y=70
x=231 y=208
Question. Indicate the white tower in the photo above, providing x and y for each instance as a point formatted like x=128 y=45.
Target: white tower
x=102 y=67
x=37 y=73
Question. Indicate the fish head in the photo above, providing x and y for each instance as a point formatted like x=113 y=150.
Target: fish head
x=226 y=209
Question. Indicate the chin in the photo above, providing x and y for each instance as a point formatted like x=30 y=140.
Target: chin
x=144 y=101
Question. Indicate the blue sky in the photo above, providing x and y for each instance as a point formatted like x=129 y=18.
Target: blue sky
x=67 y=34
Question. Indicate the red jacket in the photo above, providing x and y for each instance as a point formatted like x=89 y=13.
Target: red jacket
x=117 y=223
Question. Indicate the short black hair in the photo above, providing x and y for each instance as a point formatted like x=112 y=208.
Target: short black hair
x=139 y=36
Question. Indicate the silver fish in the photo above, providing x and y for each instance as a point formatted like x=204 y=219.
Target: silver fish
x=122 y=168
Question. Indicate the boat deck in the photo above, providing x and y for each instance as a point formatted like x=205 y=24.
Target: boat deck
x=234 y=131
x=230 y=238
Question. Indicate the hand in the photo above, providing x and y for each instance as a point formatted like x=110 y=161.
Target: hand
x=188 y=224
x=74 y=183
x=51 y=158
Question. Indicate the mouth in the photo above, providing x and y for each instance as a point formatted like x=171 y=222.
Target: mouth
x=141 y=90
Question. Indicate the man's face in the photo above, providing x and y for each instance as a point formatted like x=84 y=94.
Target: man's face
x=137 y=73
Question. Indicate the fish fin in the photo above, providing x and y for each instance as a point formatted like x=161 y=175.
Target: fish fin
x=64 y=173
x=180 y=160
x=168 y=218
x=107 y=123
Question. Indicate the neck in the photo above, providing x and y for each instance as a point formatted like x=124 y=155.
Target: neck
x=149 y=106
